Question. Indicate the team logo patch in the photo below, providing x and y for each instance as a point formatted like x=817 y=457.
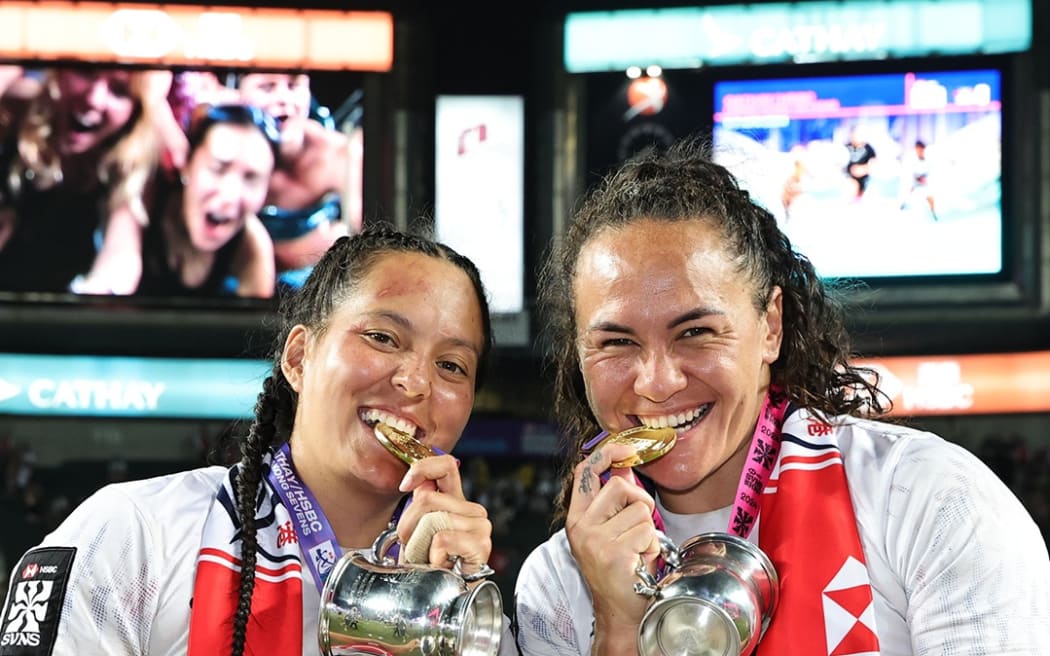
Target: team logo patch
x=29 y=623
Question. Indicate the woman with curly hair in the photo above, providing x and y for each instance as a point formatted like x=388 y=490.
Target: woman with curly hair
x=675 y=302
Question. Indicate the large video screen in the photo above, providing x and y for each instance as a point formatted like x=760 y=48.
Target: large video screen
x=174 y=186
x=874 y=175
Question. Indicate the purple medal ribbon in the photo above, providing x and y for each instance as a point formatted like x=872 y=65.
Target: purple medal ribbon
x=316 y=538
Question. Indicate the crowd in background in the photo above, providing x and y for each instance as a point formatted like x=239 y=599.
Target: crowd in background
x=517 y=491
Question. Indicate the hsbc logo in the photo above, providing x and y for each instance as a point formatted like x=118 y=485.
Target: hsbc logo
x=32 y=569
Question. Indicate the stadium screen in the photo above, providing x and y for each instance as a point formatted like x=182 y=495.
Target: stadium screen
x=874 y=175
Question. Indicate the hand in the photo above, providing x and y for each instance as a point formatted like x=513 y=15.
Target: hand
x=610 y=530
x=466 y=531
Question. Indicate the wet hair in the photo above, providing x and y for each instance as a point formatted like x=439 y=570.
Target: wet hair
x=679 y=184
x=333 y=280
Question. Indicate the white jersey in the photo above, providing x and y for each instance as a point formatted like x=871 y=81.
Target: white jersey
x=129 y=583
x=957 y=565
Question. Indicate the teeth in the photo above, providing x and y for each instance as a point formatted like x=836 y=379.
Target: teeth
x=373 y=417
x=86 y=119
x=676 y=420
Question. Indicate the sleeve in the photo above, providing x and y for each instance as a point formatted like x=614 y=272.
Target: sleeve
x=552 y=608
x=972 y=561
x=89 y=587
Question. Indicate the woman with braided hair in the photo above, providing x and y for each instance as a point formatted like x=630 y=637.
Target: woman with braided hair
x=388 y=328
x=674 y=301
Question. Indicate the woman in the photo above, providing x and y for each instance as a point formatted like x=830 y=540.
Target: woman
x=389 y=328
x=315 y=192
x=675 y=300
x=206 y=238
x=79 y=155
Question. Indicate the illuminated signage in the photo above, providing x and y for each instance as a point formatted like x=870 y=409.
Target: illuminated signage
x=691 y=37
x=965 y=384
x=197 y=35
x=479 y=200
x=129 y=387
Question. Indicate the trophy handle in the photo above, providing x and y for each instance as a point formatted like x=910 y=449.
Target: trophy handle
x=382 y=544
x=672 y=559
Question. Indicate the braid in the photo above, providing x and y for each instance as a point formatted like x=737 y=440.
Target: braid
x=333 y=278
x=273 y=411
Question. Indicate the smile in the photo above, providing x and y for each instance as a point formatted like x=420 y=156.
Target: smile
x=681 y=421
x=372 y=417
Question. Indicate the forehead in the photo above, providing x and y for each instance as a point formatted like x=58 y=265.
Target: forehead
x=655 y=259
x=245 y=143
x=255 y=80
x=423 y=288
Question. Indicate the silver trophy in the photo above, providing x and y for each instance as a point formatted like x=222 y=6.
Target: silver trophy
x=371 y=605
x=716 y=598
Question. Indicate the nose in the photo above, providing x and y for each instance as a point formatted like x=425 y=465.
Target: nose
x=230 y=193
x=659 y=376
x=98 y=94
x=413 y=377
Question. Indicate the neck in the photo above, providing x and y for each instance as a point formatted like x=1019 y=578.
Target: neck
x=717 y=490
x=356 y=512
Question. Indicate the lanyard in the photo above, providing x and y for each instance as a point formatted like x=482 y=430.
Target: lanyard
x=316 y=538
x=765 y=445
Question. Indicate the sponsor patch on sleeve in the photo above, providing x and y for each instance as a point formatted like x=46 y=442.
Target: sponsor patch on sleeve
x=29 y=624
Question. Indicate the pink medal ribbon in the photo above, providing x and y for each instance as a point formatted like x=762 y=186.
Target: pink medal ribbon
x=762 y=455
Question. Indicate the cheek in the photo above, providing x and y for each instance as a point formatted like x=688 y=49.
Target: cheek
x=455 y=407
x=255 y=196
x=120 y=112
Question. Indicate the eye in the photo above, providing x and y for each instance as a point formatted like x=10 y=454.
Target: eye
x=380 y=338
x=453 y=367
x=696 y=331
x=615 y=342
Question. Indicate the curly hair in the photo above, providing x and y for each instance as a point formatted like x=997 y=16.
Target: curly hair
x=332 y=281
x=683 y=183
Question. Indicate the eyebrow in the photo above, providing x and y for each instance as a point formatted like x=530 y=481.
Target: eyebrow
x=403 y=321
x=691 y=315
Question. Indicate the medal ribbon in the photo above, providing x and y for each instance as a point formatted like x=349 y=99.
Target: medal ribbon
x=316 y=538
x=762 y=454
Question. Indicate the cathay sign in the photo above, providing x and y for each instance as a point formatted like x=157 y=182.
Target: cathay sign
x=129 y=387
x=95 y=394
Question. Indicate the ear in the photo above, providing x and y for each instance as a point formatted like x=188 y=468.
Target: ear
x=774 y=319
x=293 y=357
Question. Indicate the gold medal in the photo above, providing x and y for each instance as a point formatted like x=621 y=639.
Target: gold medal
x=407 y=448
x=649 y=444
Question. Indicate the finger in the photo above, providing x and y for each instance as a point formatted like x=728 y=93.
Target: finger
x=416 y=549
x=470 y=541
x=587 y=477
x=428 y=501
x=442 y=470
